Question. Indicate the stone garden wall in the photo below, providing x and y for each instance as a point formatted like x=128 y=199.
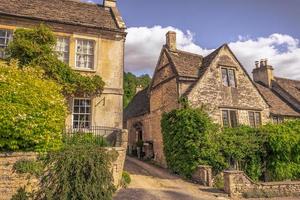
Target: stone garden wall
x=10 y=181
x=237 y=184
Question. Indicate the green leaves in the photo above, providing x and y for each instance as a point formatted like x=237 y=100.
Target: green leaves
x=77 y=172
x=186 y=140
x=32 y=111
x=35 y=48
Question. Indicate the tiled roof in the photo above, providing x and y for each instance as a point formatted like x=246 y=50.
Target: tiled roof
x=139 y=105
x=186 y=64
x=61 y=11
x=278 y=106
x=290 y=86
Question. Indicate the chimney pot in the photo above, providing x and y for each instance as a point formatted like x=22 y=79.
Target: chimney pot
x=262 y=62
x=257 y=64
x=266 y=62
x=110 y=3
x=171 y=40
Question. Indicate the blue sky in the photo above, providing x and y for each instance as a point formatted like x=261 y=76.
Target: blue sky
x=254 y=29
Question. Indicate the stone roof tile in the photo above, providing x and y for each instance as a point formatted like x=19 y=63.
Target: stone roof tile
x=61 y=11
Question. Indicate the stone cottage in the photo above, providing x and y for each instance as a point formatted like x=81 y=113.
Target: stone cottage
x=217 y=81
x=90 y=38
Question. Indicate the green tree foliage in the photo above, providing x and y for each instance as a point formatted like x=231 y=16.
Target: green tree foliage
x=271 y=152
x=282 y=147
x=32 y=110
x=131 y=82
x=78 y=172
x=35 y=48
x=186 y=134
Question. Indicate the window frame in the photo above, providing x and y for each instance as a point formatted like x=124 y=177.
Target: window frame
x=90 y=113
x=64 y=52
x=277 y=119
x=6 y=41
x=93 y=56
x=256 y=122
x=230 y=119
x=228 y=79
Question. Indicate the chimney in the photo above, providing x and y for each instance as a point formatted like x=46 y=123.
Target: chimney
x=171 y=40
x=263 y=73
x=110 y=3
x=138 y=88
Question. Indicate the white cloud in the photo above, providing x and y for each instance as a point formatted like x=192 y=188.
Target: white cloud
x=143 y=46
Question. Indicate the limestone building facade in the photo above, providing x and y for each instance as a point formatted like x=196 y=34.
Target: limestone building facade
x=218 y=81
x=90 y=38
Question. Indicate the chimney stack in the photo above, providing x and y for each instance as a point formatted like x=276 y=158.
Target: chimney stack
x=171 y=40
x=263 y=73
x=110 y=3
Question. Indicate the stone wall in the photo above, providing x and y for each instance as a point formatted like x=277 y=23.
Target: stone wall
x=237 y=184
x=203 y=175
x=210 y=92
x=10 y=181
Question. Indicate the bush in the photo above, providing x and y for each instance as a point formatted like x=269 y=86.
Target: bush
x=78 y=172
x=282 y=147
x=126 y=180
x=31 y=167
x=186 y=136
x=32 y=110
x=85 y=139
x=21 y=195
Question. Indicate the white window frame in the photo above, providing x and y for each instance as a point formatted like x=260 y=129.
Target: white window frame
x=67 y=39
x=90 y=114
x=94 y=55
x=6 y=41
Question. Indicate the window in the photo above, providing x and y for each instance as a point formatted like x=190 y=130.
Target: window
x=229 y=118
x=85 y=54
x=62 y=48
x=254 y=119
x=5 y=38
x=278 y=119
x=81 y=113
x=228 y=77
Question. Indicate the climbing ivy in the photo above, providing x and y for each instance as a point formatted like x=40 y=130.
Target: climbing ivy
x=35 y=48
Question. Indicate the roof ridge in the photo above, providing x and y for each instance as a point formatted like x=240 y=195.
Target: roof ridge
x=287 y=79
x=186 y=52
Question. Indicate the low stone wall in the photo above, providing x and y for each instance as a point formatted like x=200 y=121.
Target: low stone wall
x=10 y=181
x=203 y=175
x=237 y=184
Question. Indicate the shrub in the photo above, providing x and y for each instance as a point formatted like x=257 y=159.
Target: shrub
x=186 y=136
x=282 y=147
x=31 y=167
x=35 y=48
x=126 y=180
x=21 y=195
x=78 y=172
x=32 y=110
x=85 y=139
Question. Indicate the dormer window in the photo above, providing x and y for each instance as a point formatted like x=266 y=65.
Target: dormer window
x=228 y=77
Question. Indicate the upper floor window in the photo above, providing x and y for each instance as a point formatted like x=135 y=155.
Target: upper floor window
x=228 y=77
x=81 y=113
x=5 y=38
x=254 y=119
x=85 y=54
x=229 y=118
x=62 y=48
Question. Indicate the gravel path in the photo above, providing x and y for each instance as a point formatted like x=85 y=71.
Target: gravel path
x=153 y=183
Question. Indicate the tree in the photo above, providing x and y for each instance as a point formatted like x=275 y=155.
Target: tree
x=35 y=48
x=130 y=84
x=32 y=111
